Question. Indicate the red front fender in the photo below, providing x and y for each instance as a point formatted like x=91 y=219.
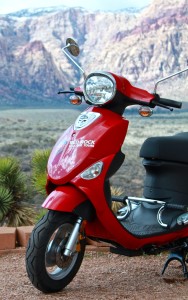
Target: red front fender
x=64 y=198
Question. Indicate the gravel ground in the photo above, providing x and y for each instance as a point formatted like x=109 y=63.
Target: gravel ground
x=101 y=276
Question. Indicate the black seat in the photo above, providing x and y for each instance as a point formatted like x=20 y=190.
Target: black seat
x=168 y=148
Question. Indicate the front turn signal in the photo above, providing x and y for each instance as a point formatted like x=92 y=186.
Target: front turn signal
x=145 y=111
x=75 y=99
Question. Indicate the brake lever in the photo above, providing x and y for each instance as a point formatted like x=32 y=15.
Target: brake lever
x=164 y=106
x=156 y=103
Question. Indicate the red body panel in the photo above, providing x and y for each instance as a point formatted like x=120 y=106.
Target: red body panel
x=125 y=87
x=76 y=150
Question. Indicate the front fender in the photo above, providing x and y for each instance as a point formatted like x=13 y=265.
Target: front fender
x=69 y=199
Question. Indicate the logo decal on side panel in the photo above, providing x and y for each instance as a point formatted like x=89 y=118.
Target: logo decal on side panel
x=82 y=143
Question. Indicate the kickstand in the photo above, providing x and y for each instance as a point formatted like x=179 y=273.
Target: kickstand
x=179 y=255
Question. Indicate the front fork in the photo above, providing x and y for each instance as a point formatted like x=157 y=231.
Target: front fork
x=73 y=238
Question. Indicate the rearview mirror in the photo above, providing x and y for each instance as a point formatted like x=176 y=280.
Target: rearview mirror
x=72 y=47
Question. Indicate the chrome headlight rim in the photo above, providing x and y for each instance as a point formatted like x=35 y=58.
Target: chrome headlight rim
x=101 y=74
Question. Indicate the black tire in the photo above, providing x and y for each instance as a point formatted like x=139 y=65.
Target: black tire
x=49 y=270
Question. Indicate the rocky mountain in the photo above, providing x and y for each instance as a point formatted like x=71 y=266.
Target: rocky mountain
x=143 y=46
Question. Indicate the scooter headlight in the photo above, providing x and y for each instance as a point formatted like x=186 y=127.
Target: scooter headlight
x=99 y=88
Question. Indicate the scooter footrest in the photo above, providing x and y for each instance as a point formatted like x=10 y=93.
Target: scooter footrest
x=126 y=252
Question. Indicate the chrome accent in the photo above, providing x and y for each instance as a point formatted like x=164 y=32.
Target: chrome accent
x=125 y=211
x=85 y=119
x=73 y=238
x=102 y=75
x=165 y=78
x=182 y=219
x=159 y=217
x=153 y=201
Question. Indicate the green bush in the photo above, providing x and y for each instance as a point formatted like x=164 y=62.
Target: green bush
x=39 y=174
x=6 y=201
x=14 y=210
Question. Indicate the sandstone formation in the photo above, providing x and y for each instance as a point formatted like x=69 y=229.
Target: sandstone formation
x=142 y=46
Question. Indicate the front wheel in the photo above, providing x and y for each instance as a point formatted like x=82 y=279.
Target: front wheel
x=48 y=268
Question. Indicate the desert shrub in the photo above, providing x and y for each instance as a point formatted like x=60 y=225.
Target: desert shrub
x=21 y=215
x=39 y=164
x=11 y=177
x=116 y=191
x=13 y=194
x=6 y=202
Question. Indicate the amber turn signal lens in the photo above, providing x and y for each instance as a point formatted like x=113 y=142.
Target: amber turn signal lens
x=75 y=100
x=145 y=111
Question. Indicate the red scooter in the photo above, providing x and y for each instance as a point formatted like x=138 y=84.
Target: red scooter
x=79 y=196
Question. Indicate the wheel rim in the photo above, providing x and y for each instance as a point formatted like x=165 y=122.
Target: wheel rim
x=57 y=265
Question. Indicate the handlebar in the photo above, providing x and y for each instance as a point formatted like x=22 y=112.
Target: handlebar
x=75 y=91
x=165 y=103
x=156 y=101
x=65 y=92
x=171 y=103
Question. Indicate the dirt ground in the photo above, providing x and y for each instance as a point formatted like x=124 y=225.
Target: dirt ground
x=101 y=276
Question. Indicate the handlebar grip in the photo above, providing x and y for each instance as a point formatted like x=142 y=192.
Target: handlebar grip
x=171 y=103
x=176 y=206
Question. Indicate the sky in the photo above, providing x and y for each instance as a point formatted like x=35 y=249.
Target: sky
x=8 y=6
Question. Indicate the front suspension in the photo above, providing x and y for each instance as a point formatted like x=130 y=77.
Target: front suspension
x=73 y=238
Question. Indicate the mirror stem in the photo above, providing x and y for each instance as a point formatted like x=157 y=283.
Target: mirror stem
x=63 y=49
x=165 y=78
